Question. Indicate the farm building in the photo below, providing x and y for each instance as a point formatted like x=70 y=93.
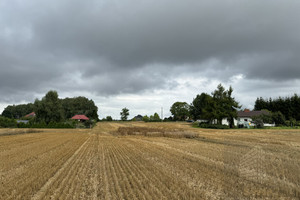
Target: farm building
x=244 y=118
x=247 y=115
x=81 y=118
x=30 y=115
x=138 y=118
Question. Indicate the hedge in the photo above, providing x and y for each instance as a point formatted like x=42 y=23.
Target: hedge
x=213 y=126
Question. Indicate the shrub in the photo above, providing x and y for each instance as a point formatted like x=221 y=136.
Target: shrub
x=259 y=123
x=88 y=124
x=7 y=122
x=155 y=132
x=109 y=118
x=279 y=119
x=146 y=118
x=213 y=126
x=44 y=125
x=154 y=118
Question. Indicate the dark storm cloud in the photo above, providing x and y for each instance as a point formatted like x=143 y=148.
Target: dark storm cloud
x=128 y=46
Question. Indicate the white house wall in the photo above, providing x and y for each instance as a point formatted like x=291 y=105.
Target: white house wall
x=239 y=120
x=225 y=122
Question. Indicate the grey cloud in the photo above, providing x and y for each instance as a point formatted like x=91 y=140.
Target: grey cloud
x=129 y=46
x=170 y=32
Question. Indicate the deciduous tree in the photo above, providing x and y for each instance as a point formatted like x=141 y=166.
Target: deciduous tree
x=124 y=114
x=49 y=108
x=180 y=110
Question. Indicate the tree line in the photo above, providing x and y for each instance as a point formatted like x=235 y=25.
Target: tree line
x=53 y=109
x=17 y=111
x=125 y=113
x=289 y=107
x=220 y=104
x=217 y=106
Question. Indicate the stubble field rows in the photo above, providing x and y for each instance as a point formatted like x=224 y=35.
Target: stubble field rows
x=145 y=161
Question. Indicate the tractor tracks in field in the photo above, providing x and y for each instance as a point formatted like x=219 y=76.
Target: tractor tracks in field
x=47 y=185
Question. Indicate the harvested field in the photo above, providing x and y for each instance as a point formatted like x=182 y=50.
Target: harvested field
x=150 y=161
x=8 y=131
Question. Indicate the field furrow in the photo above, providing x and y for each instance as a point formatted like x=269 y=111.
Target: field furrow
x=131 y=173
x=59 y=183
x=23 y=180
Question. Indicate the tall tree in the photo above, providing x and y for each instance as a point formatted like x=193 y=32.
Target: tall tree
x=218 y=106
x=220 y=98
x=109 y=118
x=156 y=118
x=79 y=105
x=260 y=104
x=49 y=109
x=288 y=106
x=203 y=107
x=124 y=114
x=231 y=106
x=180 y=110
x=295 y=103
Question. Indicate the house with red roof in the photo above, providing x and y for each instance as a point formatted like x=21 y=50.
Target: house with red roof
x=30 y=115
x=81 y=118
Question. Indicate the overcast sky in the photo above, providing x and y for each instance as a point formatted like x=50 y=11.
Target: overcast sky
x=148 y=54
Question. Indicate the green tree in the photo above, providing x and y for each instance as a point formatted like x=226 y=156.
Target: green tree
x=17 y=111
x=295 y=103
x=124 y=114
x=146 y=118
x=7 y=122
x=265 y=118
x=49 y=109
x=226 y=105
x=288 y=106
x=156 y=117
x=218 y=106
x=203 y=107
x=80 y=105
x=219 y=97
x=109 y=118
x=260 y=104
x=278 y=118
x=231 y=106
x=180 y=110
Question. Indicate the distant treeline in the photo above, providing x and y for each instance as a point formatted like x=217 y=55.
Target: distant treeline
x=52 y=109
x=215 y=107
x=288 y=106
x=12 y=123
x=18 y=111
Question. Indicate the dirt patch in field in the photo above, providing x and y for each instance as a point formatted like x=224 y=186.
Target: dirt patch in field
x=155 y=132
x=18 y=132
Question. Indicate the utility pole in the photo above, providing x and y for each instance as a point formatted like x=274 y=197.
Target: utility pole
x=162 y=113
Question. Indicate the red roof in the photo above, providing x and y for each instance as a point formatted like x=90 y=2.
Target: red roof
x=30 y=114
x=82 y=117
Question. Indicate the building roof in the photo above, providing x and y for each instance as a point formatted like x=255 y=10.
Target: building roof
x=30 y=114
x=80 y=117
x=138 y=117
x=248 y=113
